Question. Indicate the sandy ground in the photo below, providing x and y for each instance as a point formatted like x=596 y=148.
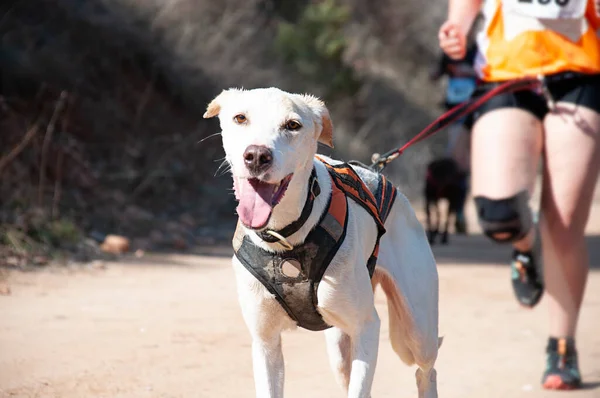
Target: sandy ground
x=170 y=326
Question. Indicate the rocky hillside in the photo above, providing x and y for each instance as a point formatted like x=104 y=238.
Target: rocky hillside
x=101 y=104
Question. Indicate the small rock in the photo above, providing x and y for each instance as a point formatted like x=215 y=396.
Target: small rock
x=139 y=253
x=115 y=244
x=4 y=289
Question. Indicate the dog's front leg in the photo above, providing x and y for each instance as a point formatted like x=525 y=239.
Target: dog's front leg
x=265 y=320
x=267 y=361
x=339 y=348
x=365 y=344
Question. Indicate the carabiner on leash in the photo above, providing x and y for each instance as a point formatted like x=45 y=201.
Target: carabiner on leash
x=380 y=161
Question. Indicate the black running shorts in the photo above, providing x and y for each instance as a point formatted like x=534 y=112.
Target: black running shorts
x=579 y=89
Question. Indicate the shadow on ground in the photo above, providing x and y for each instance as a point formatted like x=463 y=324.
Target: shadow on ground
x=591 y=385
x=478 y=249
x=188 y=258
x=462 y=250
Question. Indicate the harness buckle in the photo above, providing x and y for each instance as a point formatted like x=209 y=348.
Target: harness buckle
x=546 y=93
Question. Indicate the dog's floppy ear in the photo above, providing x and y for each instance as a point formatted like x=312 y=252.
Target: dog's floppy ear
x=326 y=136
x=320 y=110
x=214 y=108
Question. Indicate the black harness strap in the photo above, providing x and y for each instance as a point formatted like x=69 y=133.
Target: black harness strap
x=313 y=191
x=313 y=256
x=385 y=195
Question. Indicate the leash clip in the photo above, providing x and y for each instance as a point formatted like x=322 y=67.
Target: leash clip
x=377 y=162
x=375 y=158
x=380 y=162
x=546 y=93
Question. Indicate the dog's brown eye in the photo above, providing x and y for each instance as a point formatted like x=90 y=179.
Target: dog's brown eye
x=293 y=125
x=240 y=119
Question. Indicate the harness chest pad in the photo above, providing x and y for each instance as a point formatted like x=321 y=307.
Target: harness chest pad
x=297 y=294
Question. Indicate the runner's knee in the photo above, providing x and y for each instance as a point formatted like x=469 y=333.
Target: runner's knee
x=505 y=220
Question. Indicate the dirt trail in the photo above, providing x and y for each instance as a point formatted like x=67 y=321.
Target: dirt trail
x=170 y=326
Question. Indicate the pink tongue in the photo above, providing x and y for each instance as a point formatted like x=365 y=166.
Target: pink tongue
x=255 y=197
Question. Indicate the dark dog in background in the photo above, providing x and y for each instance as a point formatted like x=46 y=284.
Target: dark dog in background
x=445 y=180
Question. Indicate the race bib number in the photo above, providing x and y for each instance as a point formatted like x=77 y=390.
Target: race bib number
x=547 y=9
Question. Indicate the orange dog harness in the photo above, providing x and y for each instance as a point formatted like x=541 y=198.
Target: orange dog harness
x=293 y=276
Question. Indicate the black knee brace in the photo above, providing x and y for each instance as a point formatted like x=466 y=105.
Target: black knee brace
x=505 y=220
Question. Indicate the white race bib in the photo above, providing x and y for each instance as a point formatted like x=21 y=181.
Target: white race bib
x=547 y=9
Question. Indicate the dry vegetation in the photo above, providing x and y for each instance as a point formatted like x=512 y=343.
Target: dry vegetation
x=101 y=104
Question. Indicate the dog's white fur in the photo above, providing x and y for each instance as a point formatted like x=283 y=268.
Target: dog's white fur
x=406 y=269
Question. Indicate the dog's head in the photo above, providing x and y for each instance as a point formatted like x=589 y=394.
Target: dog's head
x=268 y=136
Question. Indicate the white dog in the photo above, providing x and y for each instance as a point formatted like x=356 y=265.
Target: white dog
x=270 y=140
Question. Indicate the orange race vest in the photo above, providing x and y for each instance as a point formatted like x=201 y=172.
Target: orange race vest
x=530 y=37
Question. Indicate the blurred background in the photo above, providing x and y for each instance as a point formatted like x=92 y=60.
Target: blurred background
x=101 y=105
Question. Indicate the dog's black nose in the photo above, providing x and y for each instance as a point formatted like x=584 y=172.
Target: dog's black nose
x=258 y=158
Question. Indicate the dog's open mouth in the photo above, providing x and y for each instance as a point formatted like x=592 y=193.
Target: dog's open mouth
x=257 y=199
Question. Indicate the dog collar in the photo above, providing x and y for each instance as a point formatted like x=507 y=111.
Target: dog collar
x=272 y=236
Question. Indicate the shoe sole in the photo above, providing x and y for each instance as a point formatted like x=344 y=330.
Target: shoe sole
x=529 y=306
x=525 y=306
x=554 y=382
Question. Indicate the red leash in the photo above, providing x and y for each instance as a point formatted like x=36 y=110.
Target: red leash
x=454 y=114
